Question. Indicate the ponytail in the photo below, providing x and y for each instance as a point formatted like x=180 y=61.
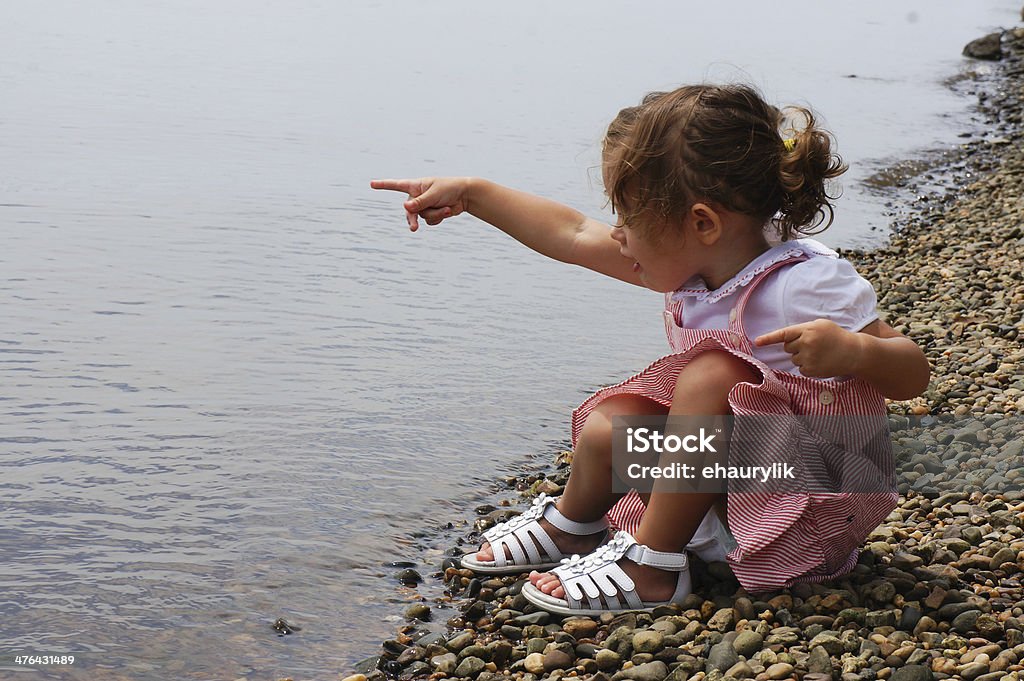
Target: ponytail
x=806 y=164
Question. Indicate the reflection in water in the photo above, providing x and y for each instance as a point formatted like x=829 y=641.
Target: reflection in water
x=234 y=386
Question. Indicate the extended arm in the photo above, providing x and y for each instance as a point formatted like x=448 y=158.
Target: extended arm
x=546 y=226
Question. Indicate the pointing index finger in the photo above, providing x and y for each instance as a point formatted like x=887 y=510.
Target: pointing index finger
x=783 y=335
x=393 y=185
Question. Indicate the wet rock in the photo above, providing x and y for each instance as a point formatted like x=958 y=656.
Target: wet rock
x=470 y=667
x=409 y=577
x=418 y=611
x=988 y=47
x=444 y=664
x=460 y=641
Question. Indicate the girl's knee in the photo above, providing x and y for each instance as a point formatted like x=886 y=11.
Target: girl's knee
x=598 y=426
x=718 y=368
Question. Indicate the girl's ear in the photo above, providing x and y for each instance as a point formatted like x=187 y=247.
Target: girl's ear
x=707 y=223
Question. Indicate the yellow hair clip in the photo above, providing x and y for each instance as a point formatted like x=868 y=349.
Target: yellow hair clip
x=789 y=143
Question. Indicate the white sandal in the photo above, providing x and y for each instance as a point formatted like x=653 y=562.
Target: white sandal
x=523 y=534
x=598 y=574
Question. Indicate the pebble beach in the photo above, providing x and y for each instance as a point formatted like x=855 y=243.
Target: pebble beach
x=937 y=592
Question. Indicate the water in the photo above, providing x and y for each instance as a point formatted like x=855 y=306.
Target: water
x=233 y=384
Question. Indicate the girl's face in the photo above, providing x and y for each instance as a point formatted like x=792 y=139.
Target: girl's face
x=655 y=247
x=658 y=253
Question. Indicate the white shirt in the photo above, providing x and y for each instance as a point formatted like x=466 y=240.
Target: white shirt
x=822 y=287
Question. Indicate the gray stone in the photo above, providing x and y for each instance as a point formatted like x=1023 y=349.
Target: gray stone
x=536 y=645
x=779 y=670
x=607 y=659
x=740 y=670
x=648 y=641
x=418 y=611
x=540 y=618
x=830 y=642
x=476 y=650
x=912 y=672
x=880 y=618
x=971 y=671
x=649 y=671
x=951 y=610
x=444 y=663
x=471 y=666
x=747 y=643
x=965 y=622
x=819 y=662
x=557 y=659
x=721 y=657
x=460 y=641
x=972 y=534
x=723 y=620
x=905 y=561
x=909 y=618
x=1004 y=555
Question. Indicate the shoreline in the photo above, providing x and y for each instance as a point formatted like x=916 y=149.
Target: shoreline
x=937 y=593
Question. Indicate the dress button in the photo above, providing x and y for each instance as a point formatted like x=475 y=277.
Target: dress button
x=826 y=397
x=732 y=315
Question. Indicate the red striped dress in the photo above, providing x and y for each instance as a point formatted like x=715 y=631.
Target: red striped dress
x=781 y=539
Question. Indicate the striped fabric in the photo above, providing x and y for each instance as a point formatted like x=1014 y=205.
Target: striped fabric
x=781 y=539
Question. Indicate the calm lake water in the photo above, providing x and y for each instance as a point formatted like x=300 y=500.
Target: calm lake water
x=234 y=386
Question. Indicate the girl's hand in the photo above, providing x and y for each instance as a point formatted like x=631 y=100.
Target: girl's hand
x=432 y=198
x=822 y=348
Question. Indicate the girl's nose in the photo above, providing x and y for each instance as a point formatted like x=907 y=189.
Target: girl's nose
x=619 y=234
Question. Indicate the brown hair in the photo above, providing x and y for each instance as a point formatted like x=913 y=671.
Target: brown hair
x=726 y=145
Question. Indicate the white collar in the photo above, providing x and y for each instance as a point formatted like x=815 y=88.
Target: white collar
x=696 y=288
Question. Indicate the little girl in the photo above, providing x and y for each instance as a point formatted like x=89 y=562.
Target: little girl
x=711 y=196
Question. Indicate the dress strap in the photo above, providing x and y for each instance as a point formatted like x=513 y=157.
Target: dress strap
x=736 y=314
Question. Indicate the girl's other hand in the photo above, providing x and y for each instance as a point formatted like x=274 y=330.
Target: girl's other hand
x=432 y=198
x=822 y=348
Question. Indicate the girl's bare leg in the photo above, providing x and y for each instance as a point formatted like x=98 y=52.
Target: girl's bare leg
x=671 y=518
x=588 y=493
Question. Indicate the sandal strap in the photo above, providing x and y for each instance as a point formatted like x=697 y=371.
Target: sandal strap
x=555 y=517
x=664 y=560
